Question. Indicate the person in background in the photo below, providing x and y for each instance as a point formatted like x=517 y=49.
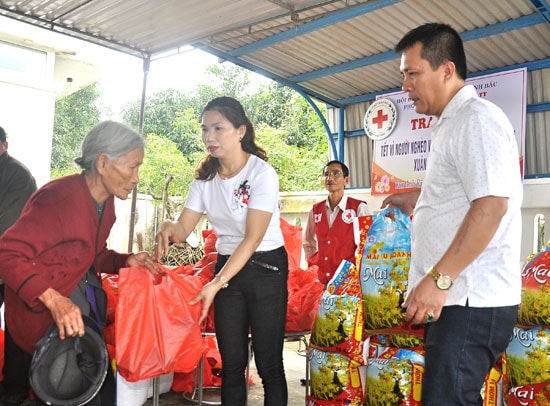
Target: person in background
x=57 y=248
x=239 y=192
x=329 y=236
x=16 y=186
x=465 y=275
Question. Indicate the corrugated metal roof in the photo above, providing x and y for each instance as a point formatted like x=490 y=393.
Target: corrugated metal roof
x=338 y=51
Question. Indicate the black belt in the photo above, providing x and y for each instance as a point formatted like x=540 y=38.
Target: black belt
x=257 y=253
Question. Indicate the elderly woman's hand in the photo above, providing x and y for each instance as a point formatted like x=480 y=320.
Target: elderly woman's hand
x=144 y=259
x=64 y=312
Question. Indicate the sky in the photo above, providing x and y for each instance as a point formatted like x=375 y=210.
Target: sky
x=120 y=76
x=122 y=81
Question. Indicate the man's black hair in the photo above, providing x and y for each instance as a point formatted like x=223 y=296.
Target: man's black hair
x=345 y=169
x=440 y=43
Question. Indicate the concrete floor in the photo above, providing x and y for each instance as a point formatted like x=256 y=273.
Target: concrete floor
x=295 y=369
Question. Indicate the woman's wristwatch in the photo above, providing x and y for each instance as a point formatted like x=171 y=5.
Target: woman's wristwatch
x=223 y=279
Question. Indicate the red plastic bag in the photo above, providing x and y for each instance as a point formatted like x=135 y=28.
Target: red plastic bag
x=183 y=382
x=210 y=238
x=204 y=268
x=110 y=285
x=156 y=328
x=1 y=354
x=304 y=294
x=293 y=243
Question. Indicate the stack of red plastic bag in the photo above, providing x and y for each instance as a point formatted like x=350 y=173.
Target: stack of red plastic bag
x=141 y=310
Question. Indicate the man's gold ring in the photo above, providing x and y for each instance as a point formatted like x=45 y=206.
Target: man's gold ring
x=429 y=317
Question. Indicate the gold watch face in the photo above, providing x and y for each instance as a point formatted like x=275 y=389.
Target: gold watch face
x=444 y=282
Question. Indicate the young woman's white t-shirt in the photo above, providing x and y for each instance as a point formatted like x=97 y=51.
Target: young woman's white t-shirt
x=226 y=204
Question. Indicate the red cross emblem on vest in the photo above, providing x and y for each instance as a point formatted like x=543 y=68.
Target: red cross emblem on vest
x=348 y=215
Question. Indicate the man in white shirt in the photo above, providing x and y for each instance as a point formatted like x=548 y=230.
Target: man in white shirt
x=465 y=275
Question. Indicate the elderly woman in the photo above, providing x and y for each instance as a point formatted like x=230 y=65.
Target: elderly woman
x=56 y=250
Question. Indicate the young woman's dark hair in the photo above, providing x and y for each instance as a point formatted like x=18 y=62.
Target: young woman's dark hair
x=232 y=110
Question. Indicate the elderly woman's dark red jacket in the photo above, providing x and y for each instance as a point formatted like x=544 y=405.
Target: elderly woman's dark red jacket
x=57 y=239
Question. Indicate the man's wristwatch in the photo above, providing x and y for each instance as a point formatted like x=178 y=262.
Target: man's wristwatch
x=443 y=282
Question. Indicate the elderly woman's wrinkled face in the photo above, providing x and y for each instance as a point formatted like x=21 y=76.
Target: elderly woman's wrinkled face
x=121 y=176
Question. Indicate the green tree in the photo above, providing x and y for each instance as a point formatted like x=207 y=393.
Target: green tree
x=161 y=110
x=75 y=115
x=286 y=125
x=164 y=163
x=298 y=168
x=283 y=108
x=188 y=130
x=165 y=172
x=225 y=80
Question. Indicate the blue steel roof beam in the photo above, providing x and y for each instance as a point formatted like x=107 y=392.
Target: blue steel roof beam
x=306 y=94
x=543 y=7
x=343 y=67
x=314 y=25
x=494 y=29
x=535 y=65
x=499 y=28
x=300 y=89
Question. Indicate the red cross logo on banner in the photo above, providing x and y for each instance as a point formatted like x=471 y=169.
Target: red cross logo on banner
x=380 y=118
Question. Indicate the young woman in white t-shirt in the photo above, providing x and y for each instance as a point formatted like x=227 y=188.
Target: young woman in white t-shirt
x=239 y=192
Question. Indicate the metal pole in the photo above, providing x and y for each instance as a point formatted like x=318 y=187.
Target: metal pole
x=146 y=64
x=538 y=235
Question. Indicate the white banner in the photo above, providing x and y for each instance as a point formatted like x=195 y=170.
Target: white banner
x=400 y=159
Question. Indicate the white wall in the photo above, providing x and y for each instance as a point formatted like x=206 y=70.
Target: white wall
x=536 y=200
x=27 y=114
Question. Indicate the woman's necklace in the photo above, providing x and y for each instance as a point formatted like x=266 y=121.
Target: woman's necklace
x=229 y=175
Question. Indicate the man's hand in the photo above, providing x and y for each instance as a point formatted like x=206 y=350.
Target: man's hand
x=405 y=201
x=423 y=300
